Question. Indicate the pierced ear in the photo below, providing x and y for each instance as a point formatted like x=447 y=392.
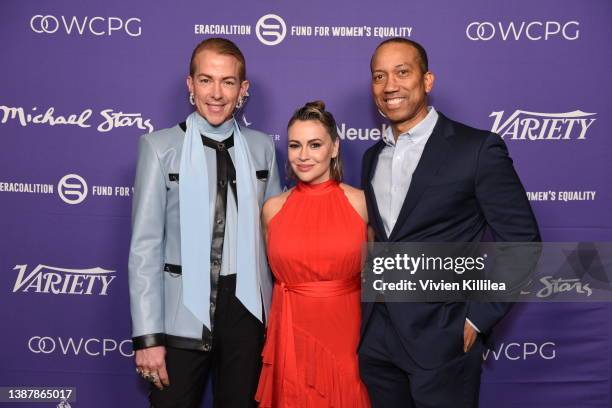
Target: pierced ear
x=189 y=81
x=244 y=88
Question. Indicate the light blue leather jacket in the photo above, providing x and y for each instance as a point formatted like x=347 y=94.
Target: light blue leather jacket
x=158 y=314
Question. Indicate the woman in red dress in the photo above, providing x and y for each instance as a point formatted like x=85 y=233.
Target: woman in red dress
x=315 y=233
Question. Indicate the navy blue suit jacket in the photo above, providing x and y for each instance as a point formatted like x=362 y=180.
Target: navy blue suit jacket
x=464 y=182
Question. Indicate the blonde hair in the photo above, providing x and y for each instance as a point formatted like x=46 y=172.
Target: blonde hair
x=220 y=46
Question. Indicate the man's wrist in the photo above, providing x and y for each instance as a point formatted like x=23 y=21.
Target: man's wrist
x=148 y=340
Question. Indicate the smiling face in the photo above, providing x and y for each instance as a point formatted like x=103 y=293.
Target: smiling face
x=400 y=86
x=310 y=151
x=216 y=85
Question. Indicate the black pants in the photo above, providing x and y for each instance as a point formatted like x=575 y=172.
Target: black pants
x=394 y=380
x=234 y=360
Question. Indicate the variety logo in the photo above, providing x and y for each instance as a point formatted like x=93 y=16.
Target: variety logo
x=521 y=351
x=72 y=189
x=271 y=29
x=53 y=280
x=531 y=30
x=97 y=26
x=524 y=125
x=111 y=119
x=92 y=347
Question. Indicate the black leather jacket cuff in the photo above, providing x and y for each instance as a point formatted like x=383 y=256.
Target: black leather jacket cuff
x=148 y=340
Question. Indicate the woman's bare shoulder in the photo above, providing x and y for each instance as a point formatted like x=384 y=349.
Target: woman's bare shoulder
x=273 y=205
x=357 y=199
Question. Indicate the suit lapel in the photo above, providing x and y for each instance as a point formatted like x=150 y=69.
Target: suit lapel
x=377 y=221
x=434 y=154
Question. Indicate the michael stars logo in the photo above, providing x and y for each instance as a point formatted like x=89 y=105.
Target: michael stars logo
x=53 y=280
x=525 y=125
x=96 y=26
x=530 y=30
x=72 y=189
x=271 y=29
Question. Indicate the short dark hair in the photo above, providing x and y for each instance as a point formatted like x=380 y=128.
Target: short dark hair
x=315 y=111
x=423 y=61
x=220 y=46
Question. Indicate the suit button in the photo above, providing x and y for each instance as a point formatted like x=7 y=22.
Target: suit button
x=206 y=346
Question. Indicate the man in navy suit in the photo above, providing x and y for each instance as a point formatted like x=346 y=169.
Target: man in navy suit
x=431 y=179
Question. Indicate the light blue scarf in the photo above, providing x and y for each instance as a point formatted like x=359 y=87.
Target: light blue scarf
x=195 y=225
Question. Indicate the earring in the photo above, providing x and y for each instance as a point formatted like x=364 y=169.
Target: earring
x=191 y=99
x=242 y=101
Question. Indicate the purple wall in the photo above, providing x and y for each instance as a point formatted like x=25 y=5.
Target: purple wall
x=542 y=64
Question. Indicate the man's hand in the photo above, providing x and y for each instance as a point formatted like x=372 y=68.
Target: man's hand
x=469 y=336
x=152 y=361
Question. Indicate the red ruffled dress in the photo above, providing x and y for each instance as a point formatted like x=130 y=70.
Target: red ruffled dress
x=314 y=249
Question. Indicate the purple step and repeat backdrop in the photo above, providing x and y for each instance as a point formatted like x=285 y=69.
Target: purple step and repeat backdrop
x=81 y=81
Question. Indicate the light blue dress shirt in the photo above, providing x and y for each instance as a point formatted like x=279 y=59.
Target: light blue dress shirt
x=396 y=164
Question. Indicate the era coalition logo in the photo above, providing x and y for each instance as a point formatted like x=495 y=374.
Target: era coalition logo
x=97 y=26
x=72 y=189
x=530 y=30
x=525 y=125
x=271 y=29
x=93 y=347
x=50 y=279
x=521 y=351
